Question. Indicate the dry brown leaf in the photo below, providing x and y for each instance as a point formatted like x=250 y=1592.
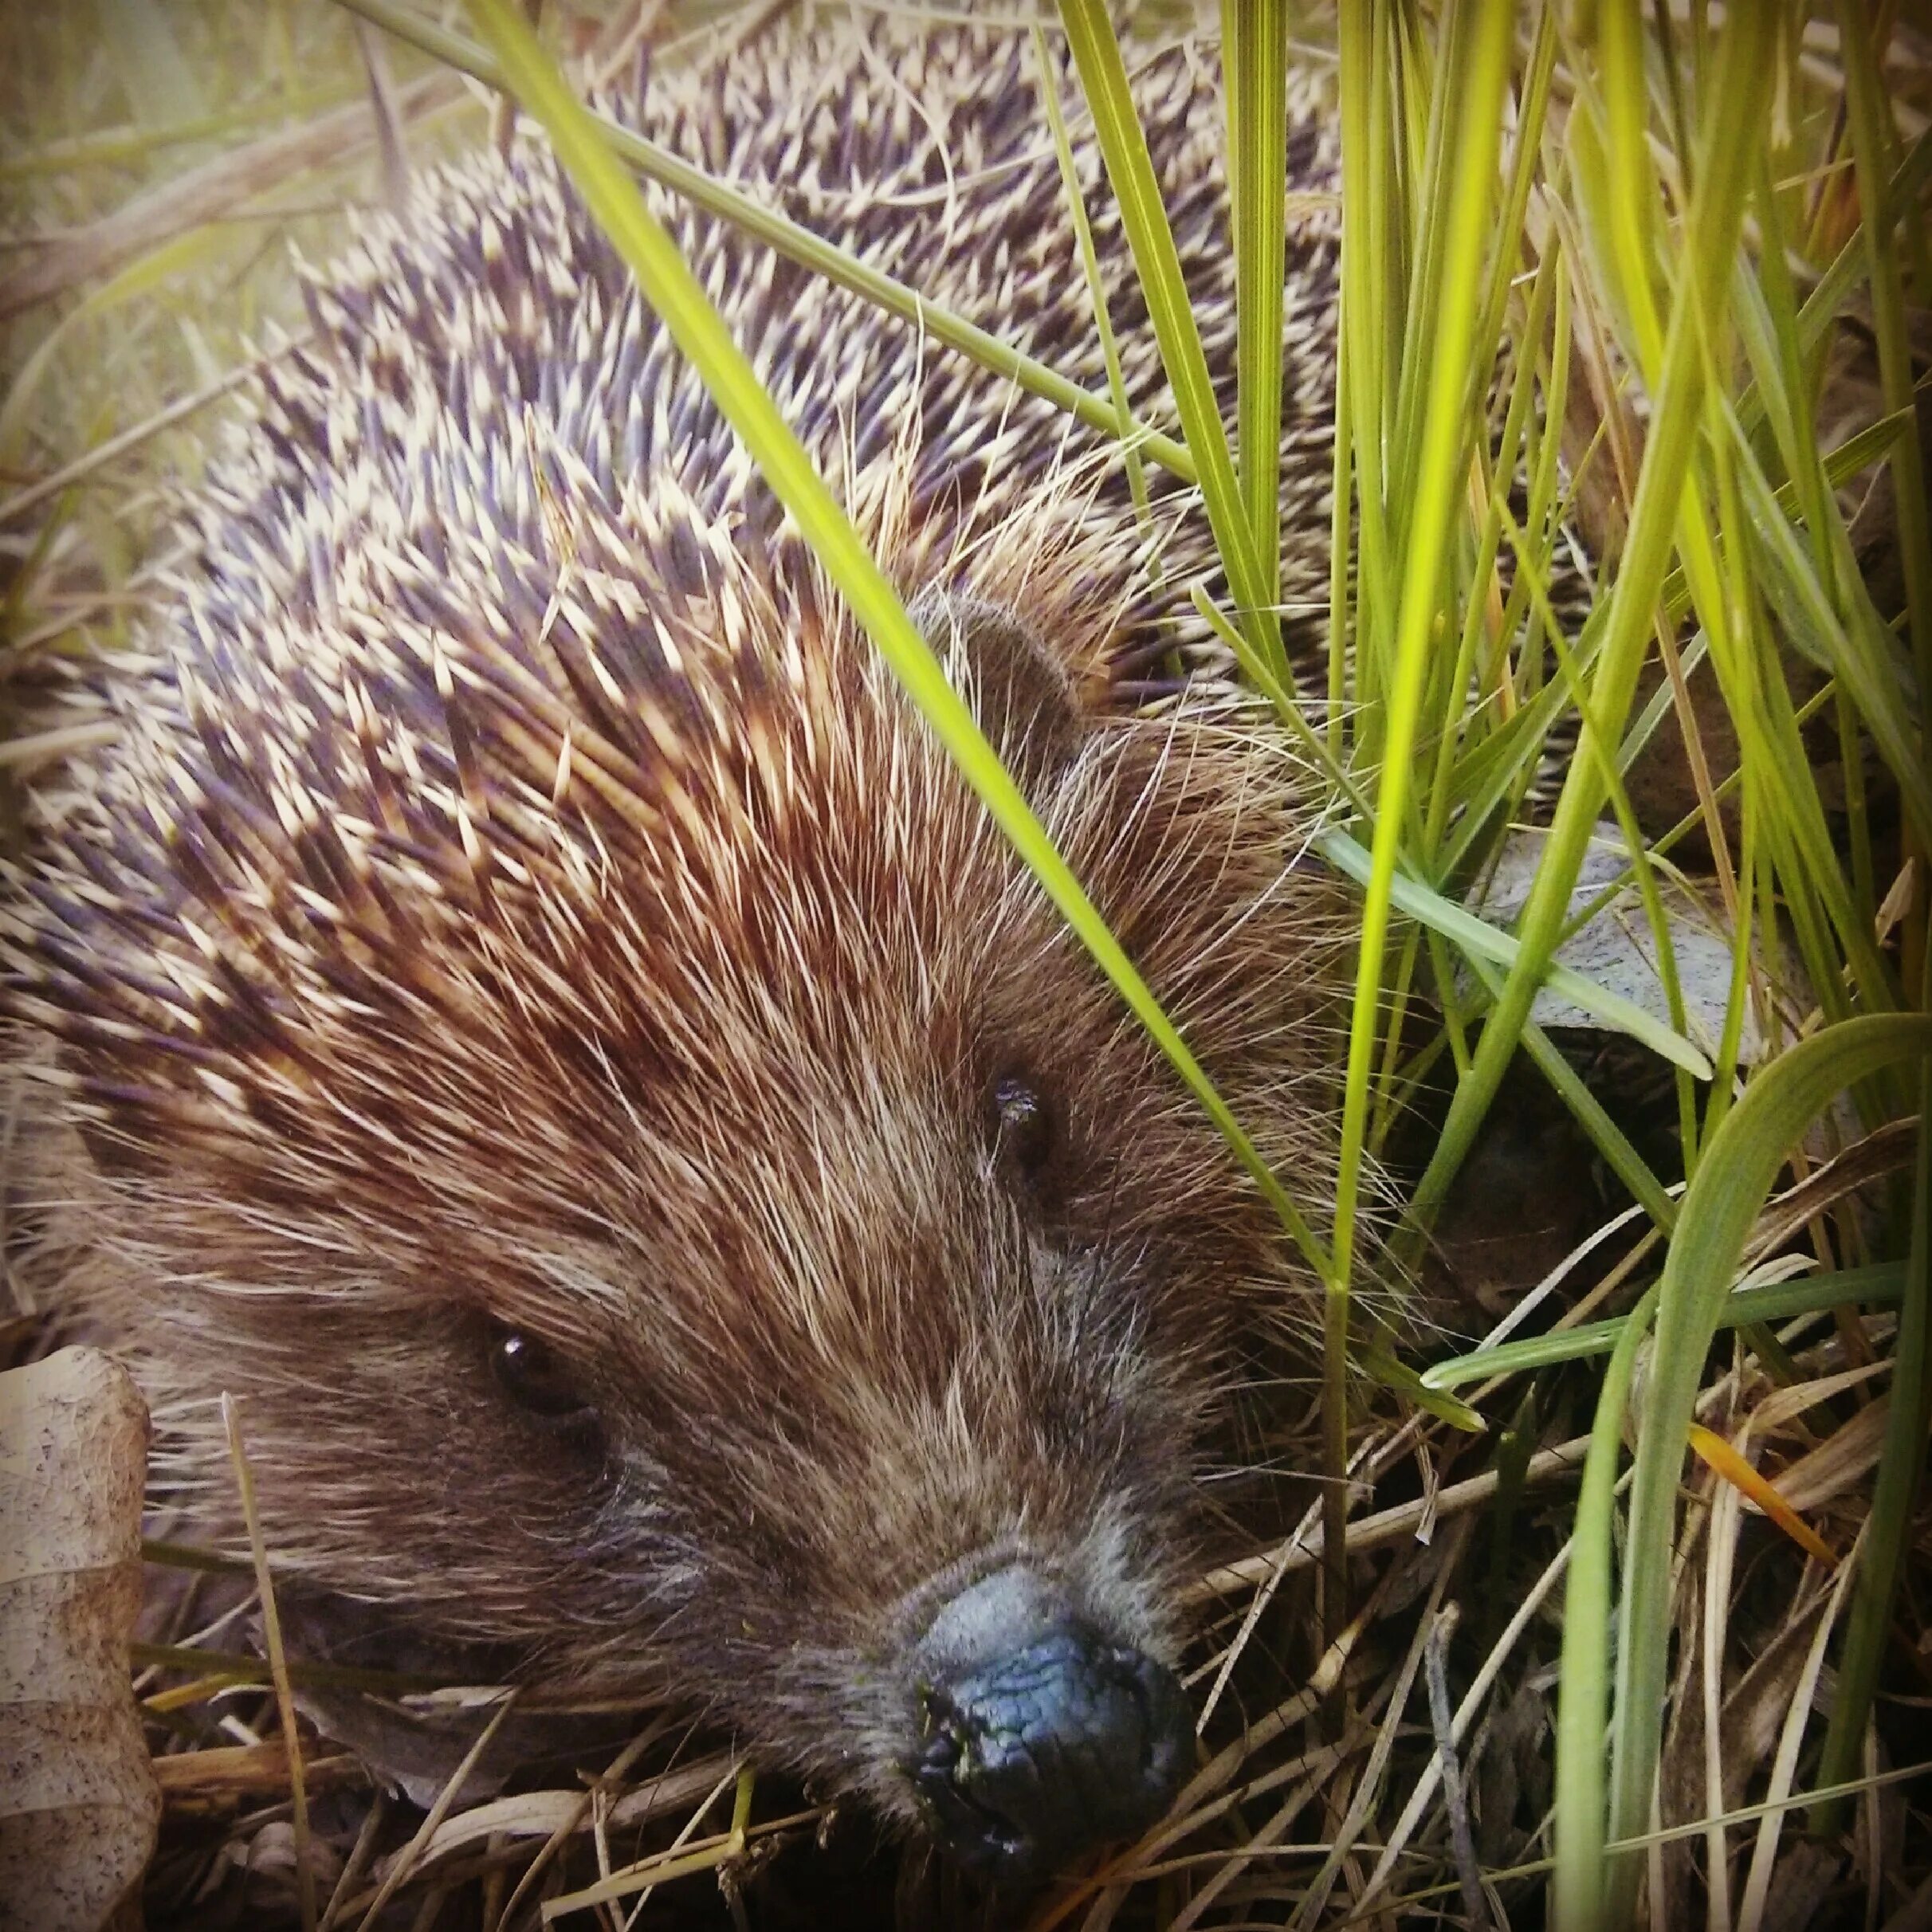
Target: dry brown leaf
x=80 y=1804
x=1754 y=1708
x=1843 y=1459
x=1887 y=1150
x=1617 y=951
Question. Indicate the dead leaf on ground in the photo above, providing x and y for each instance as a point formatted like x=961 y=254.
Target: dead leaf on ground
x=80 y=1803
x=1617 y=950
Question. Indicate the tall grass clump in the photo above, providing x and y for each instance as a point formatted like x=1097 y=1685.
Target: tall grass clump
x=1661 y=180
x=1626 y=478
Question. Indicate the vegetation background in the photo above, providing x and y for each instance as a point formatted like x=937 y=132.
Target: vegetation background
x=1623 y=1613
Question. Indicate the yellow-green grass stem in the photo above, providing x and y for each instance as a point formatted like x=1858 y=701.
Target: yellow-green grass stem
x=1766 y=310
x=1508 y=457
x=1483 y=83
x=119 y=147
x=1362 y=381
x=1818 y=894
x=1592 y=743
x=1820 y=578
x=1432 y=187
x=1527 y=135
x=1677 y=1834
x=1629 y=187
x=1341 y=559
x=1286 y=703
x=1504 y=760
x=1821 y=308
x=1860 y=652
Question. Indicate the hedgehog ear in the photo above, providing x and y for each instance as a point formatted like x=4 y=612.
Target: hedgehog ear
x=1019 y=690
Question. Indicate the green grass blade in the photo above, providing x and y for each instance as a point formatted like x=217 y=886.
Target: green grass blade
x=138 y=279
x=1483 y=78
x=1286 y=705
x=1580 y=1899
x=1475 y=632
x=1895 y=1492
x=1528 y=134
x=1097 y=287
x=1818 y=895
x=1845 y=460
x=680 y=305
x=1341 y=554
x=1861 y=654
x=117 y=146
x=1363 y=381
x=1876 y=1287
x=1254 y=53
x=1609 y=1139
x=1433 y=189
x=1822 y=305
x=1391 y=1373
x=1130 y=168
x=1736 y=1173
x=1632 y=201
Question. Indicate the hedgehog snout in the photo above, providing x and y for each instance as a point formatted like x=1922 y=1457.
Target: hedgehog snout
x=1040 y=1736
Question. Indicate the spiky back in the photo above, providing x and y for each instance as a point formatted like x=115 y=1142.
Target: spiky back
x=484 y=591
x=517 y=893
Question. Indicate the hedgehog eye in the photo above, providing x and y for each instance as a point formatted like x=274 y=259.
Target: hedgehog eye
x=532 y=1376
x=1022 y=1123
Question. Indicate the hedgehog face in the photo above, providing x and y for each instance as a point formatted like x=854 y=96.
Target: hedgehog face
x=759 y=1259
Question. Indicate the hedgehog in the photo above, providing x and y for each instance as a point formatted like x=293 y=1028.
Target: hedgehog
x=517 y=995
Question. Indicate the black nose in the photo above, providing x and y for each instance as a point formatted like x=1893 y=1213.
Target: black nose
x=1035 y=1751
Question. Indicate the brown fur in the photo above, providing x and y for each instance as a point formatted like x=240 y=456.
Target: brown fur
x=517 y=897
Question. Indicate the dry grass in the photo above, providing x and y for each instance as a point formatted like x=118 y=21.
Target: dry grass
x=158 y=162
